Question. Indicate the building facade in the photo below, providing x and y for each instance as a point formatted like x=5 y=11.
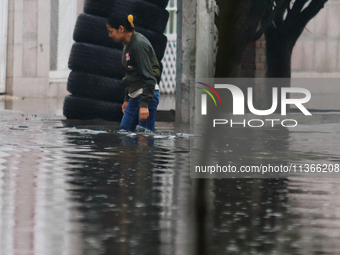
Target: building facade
x=36 y=37
x=29 y=41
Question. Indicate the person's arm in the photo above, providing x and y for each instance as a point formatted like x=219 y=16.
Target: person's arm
x=126 y=95
x=144 y=68
x=126 y=99
x=157 y=72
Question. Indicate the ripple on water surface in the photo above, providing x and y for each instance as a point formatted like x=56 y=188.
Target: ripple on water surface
x=83 y=188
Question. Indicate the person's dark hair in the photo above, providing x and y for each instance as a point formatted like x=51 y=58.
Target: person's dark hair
x=121 y=19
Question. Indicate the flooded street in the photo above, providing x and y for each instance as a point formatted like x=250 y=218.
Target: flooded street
x=256 y=84
x=79 y=187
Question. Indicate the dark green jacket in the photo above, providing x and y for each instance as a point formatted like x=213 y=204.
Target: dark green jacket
x=141 y=68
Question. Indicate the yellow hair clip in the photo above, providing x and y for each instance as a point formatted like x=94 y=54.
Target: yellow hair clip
x=130 y=19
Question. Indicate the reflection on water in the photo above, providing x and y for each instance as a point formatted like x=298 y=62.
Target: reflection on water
x=293 y=215
x=125 y=189
x=82 y=188
x=276 y=216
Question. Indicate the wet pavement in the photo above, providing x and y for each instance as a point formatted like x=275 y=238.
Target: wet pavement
x=71 y=187
x=79 y=187
x=54 y=106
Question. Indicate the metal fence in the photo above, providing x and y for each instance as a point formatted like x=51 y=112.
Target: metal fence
x=168 y=82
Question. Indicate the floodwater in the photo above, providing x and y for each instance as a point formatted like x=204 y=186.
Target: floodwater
x=79 y=187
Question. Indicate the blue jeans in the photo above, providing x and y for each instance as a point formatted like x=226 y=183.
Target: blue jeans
x=131 y=115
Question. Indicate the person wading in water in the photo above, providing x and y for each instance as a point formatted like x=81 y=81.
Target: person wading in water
x=142 y=73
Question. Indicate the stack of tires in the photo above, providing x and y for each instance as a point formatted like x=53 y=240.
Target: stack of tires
x=95 y=59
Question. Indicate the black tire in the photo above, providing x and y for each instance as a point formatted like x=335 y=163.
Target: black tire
x=95 y=86
x=160 y=3
x=82 y=108
x=95 y=59
x=147 y=15
x=92 y=29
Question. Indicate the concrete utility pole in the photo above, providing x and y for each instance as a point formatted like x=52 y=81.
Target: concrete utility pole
x=195 y=59
x=195 y=51
x=204 y=69
x=205 y=39
x=186 y=56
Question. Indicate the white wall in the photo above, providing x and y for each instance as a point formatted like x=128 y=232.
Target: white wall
x=28 y=48
x=3 y=43
x=67 y=16
x=317 y=52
